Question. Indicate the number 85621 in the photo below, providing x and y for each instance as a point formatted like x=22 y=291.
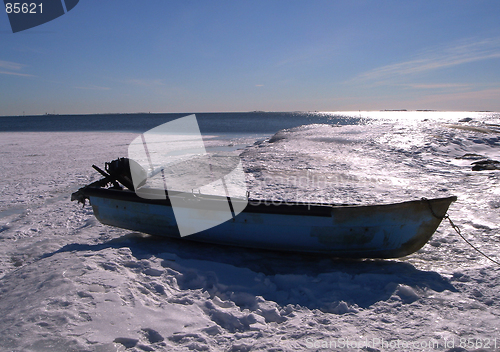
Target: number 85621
x=17 y=7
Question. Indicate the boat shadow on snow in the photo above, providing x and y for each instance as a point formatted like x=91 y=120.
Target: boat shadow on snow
x=315 y=281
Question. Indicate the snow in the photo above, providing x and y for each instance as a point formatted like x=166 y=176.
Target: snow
x=68 y=283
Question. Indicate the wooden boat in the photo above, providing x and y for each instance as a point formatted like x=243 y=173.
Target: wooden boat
x=372 y=231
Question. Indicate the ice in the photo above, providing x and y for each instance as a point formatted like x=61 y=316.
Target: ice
x=68 y=283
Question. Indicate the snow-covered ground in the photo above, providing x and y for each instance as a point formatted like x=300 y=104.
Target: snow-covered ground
x=68 y=283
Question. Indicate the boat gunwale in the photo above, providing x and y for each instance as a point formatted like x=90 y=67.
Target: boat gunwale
x=259 y=206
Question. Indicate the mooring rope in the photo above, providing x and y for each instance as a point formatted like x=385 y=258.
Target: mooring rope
x=459 y=232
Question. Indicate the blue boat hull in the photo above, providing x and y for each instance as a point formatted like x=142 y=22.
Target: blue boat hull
x=377 y=231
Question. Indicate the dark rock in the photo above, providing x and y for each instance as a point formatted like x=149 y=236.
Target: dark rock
x=486 y=165
x=127 y=342
x=471 y=156
x=153 y=336
x=278 y=136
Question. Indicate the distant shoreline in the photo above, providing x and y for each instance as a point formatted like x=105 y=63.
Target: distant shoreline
x=242 y=112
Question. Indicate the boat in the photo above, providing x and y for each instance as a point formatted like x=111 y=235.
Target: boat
x=341 y=231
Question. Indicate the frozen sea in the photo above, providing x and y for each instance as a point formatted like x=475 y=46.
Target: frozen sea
x=68 y=283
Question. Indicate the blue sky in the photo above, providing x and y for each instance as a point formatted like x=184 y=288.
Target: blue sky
x=199 y=56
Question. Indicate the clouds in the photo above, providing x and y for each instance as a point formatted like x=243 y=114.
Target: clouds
x=13 y=69
x=439 y=86
x=462 y=75
x=436 y=58
x=472 y=100
x=93 y=87
x=146 y=82
x=10 y=65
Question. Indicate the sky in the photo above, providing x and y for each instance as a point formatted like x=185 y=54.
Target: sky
x=276 y=55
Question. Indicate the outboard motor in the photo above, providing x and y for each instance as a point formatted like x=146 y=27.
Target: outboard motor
x=122 y=169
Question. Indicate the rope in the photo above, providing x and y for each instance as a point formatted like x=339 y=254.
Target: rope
x=459 y=232
x=457 y=229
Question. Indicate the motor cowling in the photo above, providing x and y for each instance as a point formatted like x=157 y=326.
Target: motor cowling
x=128 y=172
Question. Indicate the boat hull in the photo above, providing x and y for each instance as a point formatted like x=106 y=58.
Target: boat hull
x=377 y=231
